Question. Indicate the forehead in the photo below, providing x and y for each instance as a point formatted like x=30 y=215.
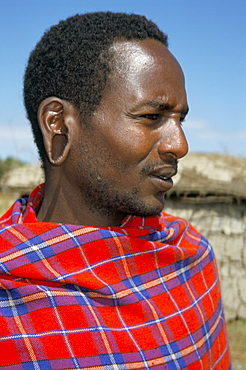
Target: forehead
x=135 y=54
x=145 y=68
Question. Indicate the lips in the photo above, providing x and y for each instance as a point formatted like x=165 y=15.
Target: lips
x=162 y=177
x=165 y=172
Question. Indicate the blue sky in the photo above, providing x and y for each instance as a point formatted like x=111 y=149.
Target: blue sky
x=207 y=37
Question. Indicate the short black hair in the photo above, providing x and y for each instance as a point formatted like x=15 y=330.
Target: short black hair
x=67 y=62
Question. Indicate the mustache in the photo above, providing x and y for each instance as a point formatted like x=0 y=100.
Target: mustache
x=173 y=162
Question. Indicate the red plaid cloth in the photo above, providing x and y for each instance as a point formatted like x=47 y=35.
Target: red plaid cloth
x=141 y=296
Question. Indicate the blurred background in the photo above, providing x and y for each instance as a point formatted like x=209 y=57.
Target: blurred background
x=209 y=40
x=207 y=37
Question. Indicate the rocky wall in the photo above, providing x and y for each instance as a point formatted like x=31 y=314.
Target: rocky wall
x=224 y=225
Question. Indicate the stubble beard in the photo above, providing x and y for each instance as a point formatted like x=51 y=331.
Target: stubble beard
x=102 y=197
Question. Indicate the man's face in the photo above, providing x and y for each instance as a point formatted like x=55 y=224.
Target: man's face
x=125 y=157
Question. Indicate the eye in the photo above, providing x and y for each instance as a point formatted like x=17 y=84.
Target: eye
x=152 y=117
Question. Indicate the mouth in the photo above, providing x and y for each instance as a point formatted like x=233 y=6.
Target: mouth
x=162 y=177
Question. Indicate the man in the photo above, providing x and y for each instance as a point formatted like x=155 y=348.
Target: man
x=133 y=288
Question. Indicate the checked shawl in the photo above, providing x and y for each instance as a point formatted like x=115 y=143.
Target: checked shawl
x=141 y=296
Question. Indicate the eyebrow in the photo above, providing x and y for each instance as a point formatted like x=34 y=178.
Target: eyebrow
x=161 y=106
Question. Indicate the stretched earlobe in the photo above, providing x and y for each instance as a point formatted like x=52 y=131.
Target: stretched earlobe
x=53 y=120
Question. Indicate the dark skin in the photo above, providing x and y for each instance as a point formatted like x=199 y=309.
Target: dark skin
x=122 y=161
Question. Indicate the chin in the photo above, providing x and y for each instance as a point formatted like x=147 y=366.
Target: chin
x=147 y=210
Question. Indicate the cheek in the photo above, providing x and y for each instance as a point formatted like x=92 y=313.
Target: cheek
x=131 y=144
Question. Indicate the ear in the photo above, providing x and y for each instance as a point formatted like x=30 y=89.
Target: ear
x=57 y=119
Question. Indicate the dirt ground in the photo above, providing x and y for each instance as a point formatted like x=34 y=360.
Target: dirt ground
x=237 y=337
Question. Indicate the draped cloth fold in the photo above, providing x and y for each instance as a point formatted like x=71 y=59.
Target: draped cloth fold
x=144 y=295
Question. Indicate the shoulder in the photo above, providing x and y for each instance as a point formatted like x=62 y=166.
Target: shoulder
x=182 y=229
x=169 y=220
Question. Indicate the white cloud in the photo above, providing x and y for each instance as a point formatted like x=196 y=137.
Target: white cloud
x=13 y=132
x=17 y=141
x=195 y=124
x=205 y=136
x=207 y=130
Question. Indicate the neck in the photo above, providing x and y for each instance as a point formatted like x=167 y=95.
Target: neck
x=65 y=204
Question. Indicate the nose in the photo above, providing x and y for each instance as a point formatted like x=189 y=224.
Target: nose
x=173 y=140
